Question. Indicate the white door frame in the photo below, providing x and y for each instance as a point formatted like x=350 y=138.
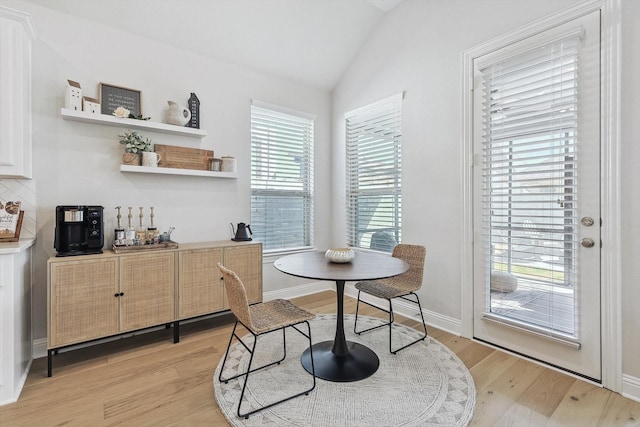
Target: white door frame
x=611 y=299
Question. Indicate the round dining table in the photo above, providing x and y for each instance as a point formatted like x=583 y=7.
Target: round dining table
x=341 y=360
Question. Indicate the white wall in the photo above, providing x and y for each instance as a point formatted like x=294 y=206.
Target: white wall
x=417 y=49
x=78 y=163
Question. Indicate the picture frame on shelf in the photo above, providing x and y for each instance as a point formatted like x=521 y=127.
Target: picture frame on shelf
x=112 y=97
x=10 y=221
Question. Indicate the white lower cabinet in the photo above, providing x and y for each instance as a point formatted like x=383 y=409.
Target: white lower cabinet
x=15 y=318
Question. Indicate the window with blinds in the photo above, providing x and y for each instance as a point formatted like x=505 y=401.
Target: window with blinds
x=281 y=177
x=374 y=175
x=530 y=153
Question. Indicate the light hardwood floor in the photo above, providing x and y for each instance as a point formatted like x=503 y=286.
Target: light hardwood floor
x=148 y=381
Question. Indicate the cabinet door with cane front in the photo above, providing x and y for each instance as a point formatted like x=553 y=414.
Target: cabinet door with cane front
x=146 y=290
x=82 y=301
x=246 y=261
x=200 y=290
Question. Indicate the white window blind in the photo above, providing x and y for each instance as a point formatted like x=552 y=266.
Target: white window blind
x=281 y=177
x=374 y=175
x=530 y=153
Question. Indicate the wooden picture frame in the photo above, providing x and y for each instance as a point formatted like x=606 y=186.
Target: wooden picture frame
x=15 y=236
x=112 y=97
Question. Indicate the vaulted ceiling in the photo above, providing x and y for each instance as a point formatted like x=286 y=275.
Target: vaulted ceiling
x=309 y=41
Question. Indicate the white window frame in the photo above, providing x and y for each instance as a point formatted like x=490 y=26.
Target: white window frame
x=276 y=130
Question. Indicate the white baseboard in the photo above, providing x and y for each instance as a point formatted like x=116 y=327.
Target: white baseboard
x=39 y=348
x=19 y=386
x=631 y=387
x=299 y=291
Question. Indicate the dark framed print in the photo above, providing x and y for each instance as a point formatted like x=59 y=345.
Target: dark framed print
x=112 y=97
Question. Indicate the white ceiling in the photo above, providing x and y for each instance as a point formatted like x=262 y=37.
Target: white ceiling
x=309 y=41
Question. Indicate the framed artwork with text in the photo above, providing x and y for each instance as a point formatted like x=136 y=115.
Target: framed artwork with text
x=112 y=97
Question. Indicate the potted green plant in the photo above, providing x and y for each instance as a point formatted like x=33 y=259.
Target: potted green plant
x=134 y=145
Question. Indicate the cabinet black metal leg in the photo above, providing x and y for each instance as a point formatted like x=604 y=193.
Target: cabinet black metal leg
x=49 y=362
x=176 y=332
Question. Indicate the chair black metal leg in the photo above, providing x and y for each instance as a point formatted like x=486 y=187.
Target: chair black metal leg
x=249 y=370
x=305 y=392
x=313 y=366
x=355 y=323
x=284 y=345
x=424 y=325
x=226 y=353
x=390 y=325
x=250 y=350
x=246 y=378
x=392 y=320
x=372 y=328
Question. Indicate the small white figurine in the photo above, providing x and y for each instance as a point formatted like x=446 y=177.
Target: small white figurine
x=90 y=105
x=73 y=97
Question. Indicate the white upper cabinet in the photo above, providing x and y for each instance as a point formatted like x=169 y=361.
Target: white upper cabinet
x=16 y=36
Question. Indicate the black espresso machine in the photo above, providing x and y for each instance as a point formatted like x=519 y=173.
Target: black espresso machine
x=79 y=230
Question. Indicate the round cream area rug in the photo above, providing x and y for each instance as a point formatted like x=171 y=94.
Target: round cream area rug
x=425 y=384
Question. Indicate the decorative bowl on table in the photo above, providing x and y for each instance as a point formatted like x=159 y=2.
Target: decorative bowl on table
x=340 y=255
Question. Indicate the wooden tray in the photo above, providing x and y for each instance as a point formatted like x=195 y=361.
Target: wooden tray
x=142 y=248
x=183 y=158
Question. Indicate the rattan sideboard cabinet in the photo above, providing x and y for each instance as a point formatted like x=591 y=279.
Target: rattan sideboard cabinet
x=97 y=296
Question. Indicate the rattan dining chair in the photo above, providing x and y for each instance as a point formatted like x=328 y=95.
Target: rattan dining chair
x=260 y=319
x=401 y=286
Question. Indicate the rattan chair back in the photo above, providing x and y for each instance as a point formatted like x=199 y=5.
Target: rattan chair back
x=236 y=296
x=413 y=255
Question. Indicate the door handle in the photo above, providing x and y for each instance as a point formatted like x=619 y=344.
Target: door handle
x=587 y=221
x=588 y=242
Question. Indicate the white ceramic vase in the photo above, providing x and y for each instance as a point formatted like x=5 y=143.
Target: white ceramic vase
x=177 y=114
x=340 y=255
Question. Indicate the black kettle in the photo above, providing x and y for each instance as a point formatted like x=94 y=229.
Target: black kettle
x=242 y=233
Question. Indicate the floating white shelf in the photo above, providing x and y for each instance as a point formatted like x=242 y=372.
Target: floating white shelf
x=83 y=116
x=176 y=171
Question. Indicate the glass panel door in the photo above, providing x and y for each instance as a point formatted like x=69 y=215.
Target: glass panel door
x=537 y=197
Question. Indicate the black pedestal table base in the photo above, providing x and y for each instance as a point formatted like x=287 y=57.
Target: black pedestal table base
x=359 y=363
x=341 y=360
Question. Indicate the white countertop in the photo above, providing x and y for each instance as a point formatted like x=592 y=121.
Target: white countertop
x=16 y=247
